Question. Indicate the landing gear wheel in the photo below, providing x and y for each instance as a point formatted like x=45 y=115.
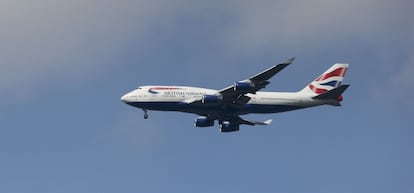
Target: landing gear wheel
x=145 y=114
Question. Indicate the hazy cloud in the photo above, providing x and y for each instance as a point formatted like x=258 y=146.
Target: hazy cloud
x=401 y=84
x=380 y=33
x=319 y=21
x=136 y=132
x=49 y=40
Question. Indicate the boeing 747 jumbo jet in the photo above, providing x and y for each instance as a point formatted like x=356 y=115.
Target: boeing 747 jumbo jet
x=243 y=97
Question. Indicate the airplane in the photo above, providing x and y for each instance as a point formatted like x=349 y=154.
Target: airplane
x=243 y=97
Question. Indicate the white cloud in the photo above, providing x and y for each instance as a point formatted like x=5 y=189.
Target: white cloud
x=293 y=23
x=380 y=31
x=73 y=40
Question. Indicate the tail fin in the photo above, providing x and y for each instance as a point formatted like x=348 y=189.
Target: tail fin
x=330 y=79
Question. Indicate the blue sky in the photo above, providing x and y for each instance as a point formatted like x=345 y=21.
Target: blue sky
x=65 y=64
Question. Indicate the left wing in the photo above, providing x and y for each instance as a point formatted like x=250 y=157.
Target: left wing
x=232 y=123
x=236 y=92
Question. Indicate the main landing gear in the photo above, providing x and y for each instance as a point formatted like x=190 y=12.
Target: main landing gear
x=145 y=113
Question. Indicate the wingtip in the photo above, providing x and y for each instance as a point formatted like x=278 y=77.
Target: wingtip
x=268 y=122
x=290 y=60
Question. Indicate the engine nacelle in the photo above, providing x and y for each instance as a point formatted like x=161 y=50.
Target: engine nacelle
x=243 y=86
x=228 y=127
x=212 y=99
x=203 y=122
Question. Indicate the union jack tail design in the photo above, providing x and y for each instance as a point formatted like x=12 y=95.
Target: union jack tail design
x=330 y=79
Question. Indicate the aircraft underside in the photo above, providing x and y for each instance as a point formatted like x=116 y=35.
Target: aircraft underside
x=205 y=110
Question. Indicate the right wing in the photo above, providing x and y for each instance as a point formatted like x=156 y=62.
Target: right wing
x=234 y=96
x=236 y=92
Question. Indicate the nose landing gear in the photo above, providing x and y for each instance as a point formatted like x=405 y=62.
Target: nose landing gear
x=145 y=113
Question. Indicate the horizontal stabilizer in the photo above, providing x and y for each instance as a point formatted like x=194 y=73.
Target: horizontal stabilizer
x=332 y=94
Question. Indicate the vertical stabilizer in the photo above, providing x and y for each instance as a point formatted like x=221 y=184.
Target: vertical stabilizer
x=330 y=79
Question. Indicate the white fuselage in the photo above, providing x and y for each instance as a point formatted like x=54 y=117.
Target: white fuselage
x=182 y=98
x=243 y=97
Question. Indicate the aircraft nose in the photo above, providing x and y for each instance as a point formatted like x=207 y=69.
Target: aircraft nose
x=124 y=98
x=129 y=98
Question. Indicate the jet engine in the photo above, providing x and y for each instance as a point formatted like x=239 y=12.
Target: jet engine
x=228 y=127
x=212 y=99
x=203 y=122
x=243 y=86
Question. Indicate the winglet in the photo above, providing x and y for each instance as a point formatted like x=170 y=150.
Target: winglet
x=288 y=61
x=239 y=120
x=268 y=122
x=268 y=73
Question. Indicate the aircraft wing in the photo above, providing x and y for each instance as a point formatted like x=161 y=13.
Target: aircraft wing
x=236 y=92
x=232 y=123
x=239 y=120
